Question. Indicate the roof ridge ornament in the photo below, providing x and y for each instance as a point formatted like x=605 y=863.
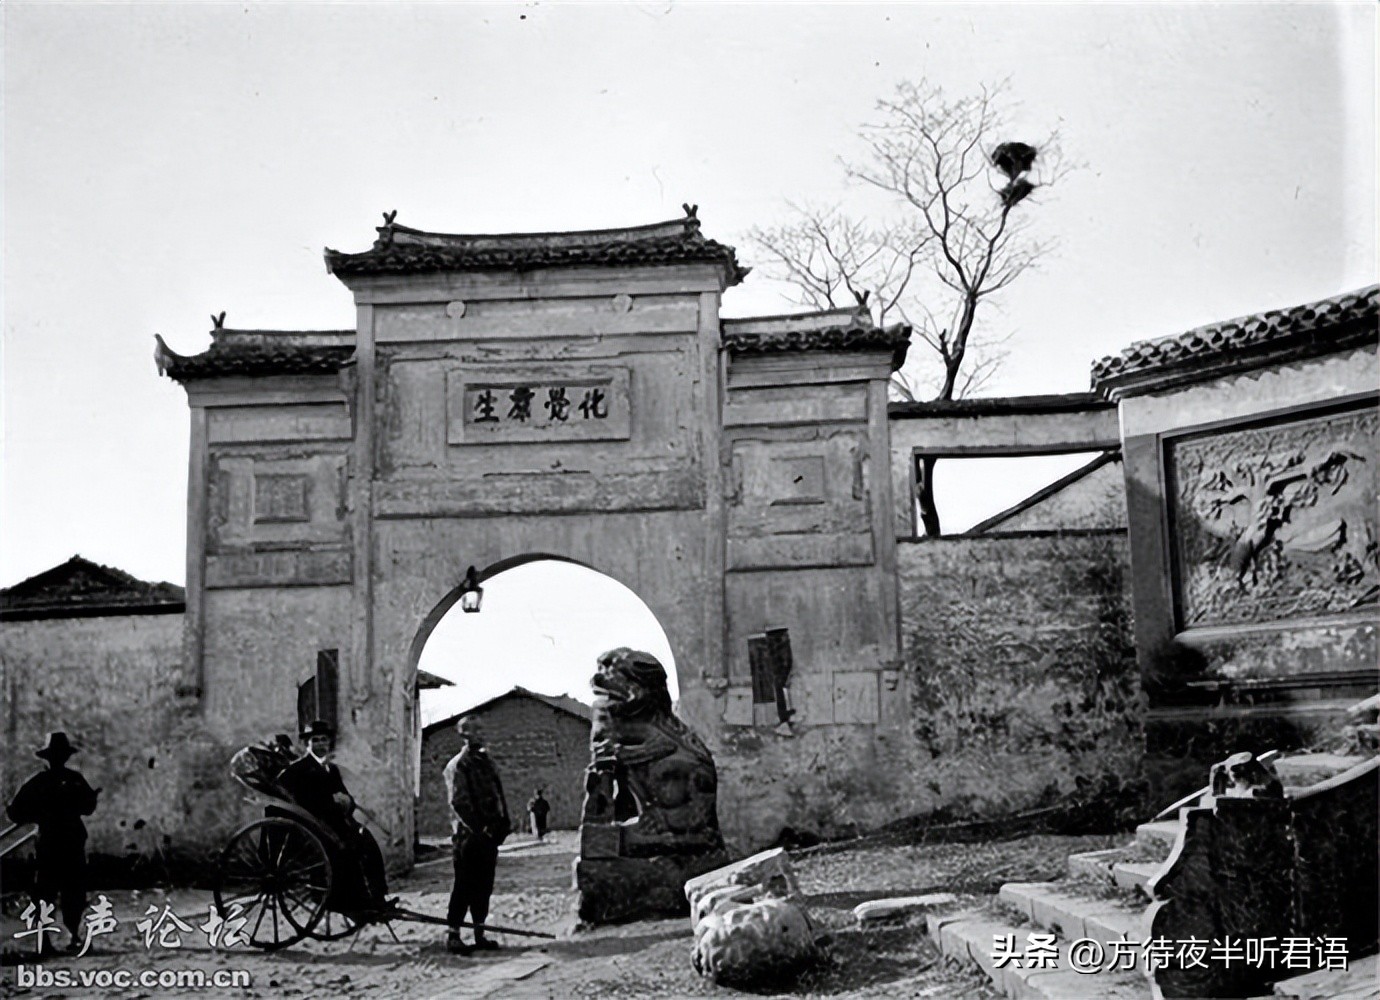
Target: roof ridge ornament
x=386 y=230
x=863 y=311
x=692 y=215
x=164 y=357
x=218 y=322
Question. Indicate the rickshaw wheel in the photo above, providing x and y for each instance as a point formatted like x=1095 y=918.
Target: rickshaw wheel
x=276 y=875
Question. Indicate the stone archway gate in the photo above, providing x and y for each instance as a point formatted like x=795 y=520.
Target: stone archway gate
x=576 y=394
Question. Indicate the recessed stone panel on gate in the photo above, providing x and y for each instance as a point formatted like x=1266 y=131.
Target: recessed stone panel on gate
x=546 y=405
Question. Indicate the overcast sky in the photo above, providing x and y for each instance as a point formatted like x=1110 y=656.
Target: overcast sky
x=162 y=163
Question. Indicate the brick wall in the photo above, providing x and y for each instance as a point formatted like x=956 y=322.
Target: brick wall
x=1022 y=671
x=532 y=745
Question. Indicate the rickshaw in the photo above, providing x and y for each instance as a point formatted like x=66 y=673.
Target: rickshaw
x=289 y=877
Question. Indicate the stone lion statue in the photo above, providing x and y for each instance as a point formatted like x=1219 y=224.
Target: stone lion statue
x=664 y=784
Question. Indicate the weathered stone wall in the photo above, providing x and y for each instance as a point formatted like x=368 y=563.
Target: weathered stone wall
x=263 y=646
x=269 y=567
x=1022 y=670
x=809 y=550
x=109 y=683
x=532 y=746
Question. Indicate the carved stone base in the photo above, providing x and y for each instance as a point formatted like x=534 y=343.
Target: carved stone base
x=614 y=890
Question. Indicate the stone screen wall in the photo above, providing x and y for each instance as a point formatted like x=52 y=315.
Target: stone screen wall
x=1022 y=671
x=1277 y=521
x=532 y=745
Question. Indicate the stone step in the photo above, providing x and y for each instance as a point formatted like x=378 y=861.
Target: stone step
x=969 y=938
x=1136 y=874
x=1159 y=837
x=1359 y=981
x=1078 y=911
x=1302 y=770
x=1097 y=865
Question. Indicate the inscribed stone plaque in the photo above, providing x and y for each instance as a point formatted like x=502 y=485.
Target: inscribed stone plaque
x=546 y=405
x=1275 y=522
x=279 y=498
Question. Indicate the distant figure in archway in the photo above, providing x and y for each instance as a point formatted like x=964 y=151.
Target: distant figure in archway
x=537 y=811
x=480 y=819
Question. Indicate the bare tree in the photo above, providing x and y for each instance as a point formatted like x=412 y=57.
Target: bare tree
x=960 y=179
x=837 y=261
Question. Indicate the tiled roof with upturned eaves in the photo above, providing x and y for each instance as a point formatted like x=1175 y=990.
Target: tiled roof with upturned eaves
x=402 y=250
x=1337 y=322
x=834 y=330
x=258 y=352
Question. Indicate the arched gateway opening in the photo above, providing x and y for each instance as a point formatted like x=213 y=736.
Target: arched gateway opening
x=521 y=663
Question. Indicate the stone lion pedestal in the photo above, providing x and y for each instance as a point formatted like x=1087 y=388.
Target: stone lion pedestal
x=650 y=820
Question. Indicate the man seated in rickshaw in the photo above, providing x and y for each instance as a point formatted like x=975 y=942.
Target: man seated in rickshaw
x=315 y=784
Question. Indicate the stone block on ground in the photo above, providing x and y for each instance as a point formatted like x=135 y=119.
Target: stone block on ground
x=876 y=911
x=721 y=898
x=763 y=944
x=770 y=869
x=613 y=890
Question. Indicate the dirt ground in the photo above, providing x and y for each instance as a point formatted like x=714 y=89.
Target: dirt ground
x=644 y=959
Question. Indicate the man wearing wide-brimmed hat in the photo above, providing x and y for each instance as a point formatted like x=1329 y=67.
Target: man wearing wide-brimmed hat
x=56 y=800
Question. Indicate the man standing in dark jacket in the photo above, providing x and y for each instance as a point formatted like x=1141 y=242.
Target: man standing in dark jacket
x=56 y=800
x=480 y=820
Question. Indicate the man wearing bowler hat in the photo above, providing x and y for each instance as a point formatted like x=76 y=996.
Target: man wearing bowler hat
x=315 y=784
x=56 y=800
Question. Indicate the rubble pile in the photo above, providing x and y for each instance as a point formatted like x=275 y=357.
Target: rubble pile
x=751 y=925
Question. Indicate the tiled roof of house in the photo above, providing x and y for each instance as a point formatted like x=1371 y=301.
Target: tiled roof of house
x=402 y=250
x=81 y=588
x=832 y=330
x=560 y=703
x=258 y=352
x=1335 y=322
x=427 y=681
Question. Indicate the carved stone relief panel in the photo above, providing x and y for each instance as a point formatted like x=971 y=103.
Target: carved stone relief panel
x=1275 y=522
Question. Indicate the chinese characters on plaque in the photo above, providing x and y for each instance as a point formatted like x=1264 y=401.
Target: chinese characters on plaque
x=541 y=407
